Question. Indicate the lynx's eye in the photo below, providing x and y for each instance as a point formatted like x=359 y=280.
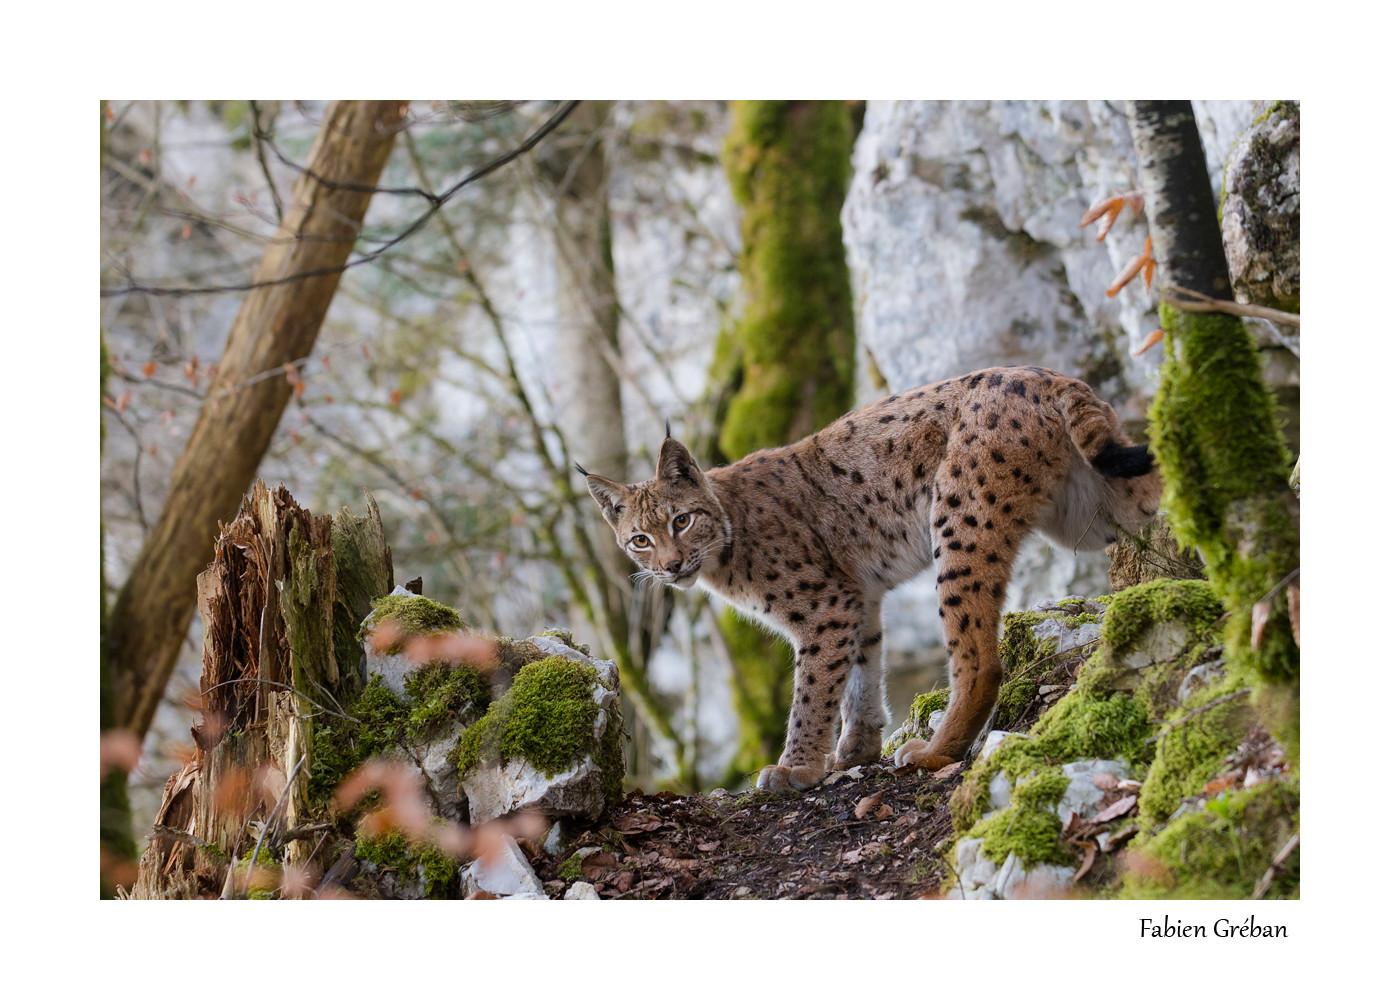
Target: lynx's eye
x=681 y=522
x=639 y=542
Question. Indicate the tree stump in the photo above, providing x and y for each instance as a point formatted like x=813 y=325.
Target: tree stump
x=281 y=604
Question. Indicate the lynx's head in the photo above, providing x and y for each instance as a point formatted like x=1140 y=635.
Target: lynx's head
x=672 y=525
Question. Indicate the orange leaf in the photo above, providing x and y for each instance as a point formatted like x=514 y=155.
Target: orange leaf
x=148 y=369
x=1150 y=341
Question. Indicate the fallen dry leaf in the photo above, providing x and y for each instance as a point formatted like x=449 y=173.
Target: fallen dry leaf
x=637 y=823
x=944 y=773
x=1122 y=807
x=1091 y=853
x=866 y=805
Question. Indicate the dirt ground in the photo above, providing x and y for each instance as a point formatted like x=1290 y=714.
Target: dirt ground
x=869 y=833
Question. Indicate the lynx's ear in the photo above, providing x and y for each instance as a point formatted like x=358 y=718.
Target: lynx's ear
x=608 y=495
x=675 y=465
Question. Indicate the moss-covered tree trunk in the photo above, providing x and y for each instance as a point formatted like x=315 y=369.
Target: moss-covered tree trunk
x=281 y=604
x=276 y=325
x=1213 y=424
x=787 y=367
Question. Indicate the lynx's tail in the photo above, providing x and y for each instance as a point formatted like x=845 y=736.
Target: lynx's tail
x=1096 y=433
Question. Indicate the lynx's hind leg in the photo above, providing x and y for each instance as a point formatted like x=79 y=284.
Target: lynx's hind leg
x=864 y=710
x=977 y=532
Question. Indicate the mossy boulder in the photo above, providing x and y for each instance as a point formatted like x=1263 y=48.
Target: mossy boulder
x=403 y=869
x=1234 y=845
x=552 y=742
x=1153 y=720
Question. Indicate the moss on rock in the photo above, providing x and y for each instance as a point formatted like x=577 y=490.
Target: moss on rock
x=413 y=615
x=438 y=695
x=545 y=719
x=1193 y=746
x=1133 y=612
x=1028 y=827
x=420 y=860
x=1222 y=851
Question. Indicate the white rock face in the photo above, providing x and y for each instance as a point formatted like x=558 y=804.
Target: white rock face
x=962 y=236
x=1083 y=795
x=505 y=873
x=581 y=890
x=979 y=877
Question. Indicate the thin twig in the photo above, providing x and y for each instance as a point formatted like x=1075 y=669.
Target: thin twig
x=262 y=834
x=1213 y=703
x=1274 y=868
x=1194 y=302
x=418 y=223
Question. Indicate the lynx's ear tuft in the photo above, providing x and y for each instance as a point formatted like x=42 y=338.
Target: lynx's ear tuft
x=668 y=428
x=581 y=470
x=608 y=496
x=676 y=465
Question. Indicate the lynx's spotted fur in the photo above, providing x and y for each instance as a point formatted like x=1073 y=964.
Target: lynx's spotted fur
x=808 y=538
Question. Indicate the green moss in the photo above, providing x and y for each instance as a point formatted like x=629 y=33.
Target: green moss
x=413 y=615
x=410 y=859
x=1080 y=725
x=1217 y=438
x=1132 y=612
x=926 y=704
x=572 y=869
x=1028 y=827
x=1192 y=748
x=266 y=873
x=786 y=368
x=380 y=723
x=546 y=719
x=439 y=694
x=1223 y=851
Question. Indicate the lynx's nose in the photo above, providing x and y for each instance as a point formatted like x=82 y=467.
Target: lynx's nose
x=673 y=567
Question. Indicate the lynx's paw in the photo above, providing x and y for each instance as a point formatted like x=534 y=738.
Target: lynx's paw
x=919 y=753
x=781 y=778
x=860 y=745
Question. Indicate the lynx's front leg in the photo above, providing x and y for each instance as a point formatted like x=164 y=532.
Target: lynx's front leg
x=826 y=641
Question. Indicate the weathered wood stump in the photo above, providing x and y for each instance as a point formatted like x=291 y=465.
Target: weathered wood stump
x=281 y=604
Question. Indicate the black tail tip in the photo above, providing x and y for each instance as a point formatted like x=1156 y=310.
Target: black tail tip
x=1123 y=461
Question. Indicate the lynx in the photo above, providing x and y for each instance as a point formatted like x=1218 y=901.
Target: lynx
x=808 y=538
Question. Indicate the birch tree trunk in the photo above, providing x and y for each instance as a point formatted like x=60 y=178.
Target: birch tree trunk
x=1213 y=425
x=590 y=413
x=276 y=325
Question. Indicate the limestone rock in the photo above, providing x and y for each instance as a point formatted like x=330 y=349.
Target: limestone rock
x=979 y=877
x=504 y=873
x=1261 y=213
x=580 y=790
x=581 y=890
